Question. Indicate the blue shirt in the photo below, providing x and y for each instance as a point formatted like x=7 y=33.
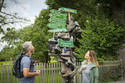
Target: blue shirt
x=26 y=63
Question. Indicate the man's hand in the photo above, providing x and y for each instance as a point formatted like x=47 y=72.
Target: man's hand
x=37 y=72
x=26 y=72
x=83 y=67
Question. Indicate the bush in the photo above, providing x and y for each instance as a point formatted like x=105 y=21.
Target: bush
x=102 y=36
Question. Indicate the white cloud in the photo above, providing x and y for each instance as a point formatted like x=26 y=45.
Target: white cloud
x=2 y=44
x=25 y=8
x=39 y=4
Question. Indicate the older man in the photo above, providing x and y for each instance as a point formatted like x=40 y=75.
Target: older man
x=27 y=64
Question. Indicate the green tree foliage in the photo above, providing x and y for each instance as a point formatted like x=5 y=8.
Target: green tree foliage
x=39 y=35
x=112 y=9
x=14 y=44
x=9 y=53
x=84 y=8
x=101 y=20
x=100 y=32
x=102 y=36
x=6 y=19
x=12 y=36
x=6 y=53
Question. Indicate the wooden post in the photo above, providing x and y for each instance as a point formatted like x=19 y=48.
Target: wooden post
x=8 y=73
x=74 y=65
x=5 y=75
x=1 y=72
x=69 y=17
x=75 y=75
x=63 y=65
x=63 y=68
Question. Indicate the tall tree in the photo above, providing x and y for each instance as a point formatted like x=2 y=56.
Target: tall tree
x=39 y=35
x=84 y=8
x=8 y=18
x=111 y=9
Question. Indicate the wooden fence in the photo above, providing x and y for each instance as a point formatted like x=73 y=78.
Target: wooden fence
x=50 y=72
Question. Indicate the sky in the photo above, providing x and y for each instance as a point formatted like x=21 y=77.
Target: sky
x=25 y=8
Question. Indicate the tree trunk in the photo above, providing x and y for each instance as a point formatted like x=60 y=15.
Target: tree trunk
x=46 y=59
x=1 y=4
x=121 y=55
x=118 y=8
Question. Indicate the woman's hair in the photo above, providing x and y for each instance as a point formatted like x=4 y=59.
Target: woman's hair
x=92 y=54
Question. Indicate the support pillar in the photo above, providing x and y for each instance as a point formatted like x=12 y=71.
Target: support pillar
x=63 y=68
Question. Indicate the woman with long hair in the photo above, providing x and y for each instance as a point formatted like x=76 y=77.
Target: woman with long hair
x=89 y=69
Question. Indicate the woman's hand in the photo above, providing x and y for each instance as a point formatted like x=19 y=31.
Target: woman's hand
x=83 y=67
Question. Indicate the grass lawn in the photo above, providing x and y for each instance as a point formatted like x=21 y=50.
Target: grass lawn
x=5 y=62
x=54 y=61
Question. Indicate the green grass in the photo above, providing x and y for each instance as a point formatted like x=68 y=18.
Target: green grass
x=54 y=61
x=5 y=62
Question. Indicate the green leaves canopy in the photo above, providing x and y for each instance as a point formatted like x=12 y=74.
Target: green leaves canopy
x=39 y=35
x=102 y=36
